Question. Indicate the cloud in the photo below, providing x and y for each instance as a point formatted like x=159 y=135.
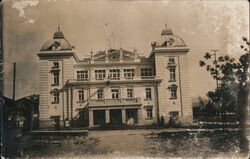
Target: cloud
x=21 y=5
x=30 y=21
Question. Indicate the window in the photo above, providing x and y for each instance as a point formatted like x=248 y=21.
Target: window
x=55 y=65
x=172 y=74
x=149 y=113
x=114 y=74
x=100 y=74
x=82 y=75
x=173 y=91
x=129 y=73
x=99 y=93
x=81 y=95
x=115 y=93
x=55 y=97
x=174 y=114
x=171 y=60
x=148 y=93
x=173 y=94
x=129 y=93
x=146 y=72
x=56 y=46
x=56 y=78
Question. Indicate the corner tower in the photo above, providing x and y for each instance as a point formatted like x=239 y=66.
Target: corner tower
x=171 y=65
x=56 y=58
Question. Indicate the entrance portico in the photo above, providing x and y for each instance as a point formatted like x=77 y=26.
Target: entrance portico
x=113 y=115
x=114 y=111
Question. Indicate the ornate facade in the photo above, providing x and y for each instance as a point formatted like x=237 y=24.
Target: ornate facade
x=114 y=86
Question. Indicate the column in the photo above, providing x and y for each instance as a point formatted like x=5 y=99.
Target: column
x=140 y=116
x=123 y=115
x=91 y=118
x=107 y=116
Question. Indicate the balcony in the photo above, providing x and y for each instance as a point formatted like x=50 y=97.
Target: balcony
x=148 y=77
x=114 y=102
x=107 y=81
x=78 y=80
x=171 y=64
x=114 y=79
x=55 y=68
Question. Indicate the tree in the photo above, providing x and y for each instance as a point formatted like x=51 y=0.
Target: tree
x=232 y=89
x=232 y=77
x=222 y=70
x=210 y=110
x=243 y=78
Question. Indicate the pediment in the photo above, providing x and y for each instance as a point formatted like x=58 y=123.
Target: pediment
x=114 y=55
x=128 y=55
x=100 y=55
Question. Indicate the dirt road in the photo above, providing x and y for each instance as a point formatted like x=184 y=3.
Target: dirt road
x=126 y=142
x=168 y=143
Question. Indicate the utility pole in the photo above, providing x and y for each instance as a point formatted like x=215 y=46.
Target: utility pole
x=14 y=80
x=217 y=84
x=215 y=63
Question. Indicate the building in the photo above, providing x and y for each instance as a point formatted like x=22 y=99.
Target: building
x=114 y=86
x=21 y=112
x=29 y=110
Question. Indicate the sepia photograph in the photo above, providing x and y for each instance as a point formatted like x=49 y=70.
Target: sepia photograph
x=125 y=79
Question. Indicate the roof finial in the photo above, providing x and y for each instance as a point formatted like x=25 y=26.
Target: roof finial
x=166 y=23
x=91 y=53
x=58 y=23
x=166 y=31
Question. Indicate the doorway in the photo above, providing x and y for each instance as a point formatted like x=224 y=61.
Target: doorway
x=99 y=117
x=131 y=116
x=115 y=116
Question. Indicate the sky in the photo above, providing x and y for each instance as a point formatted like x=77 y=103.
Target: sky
x=96 y=25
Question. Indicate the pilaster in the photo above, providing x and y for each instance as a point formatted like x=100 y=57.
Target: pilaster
x=123 y=115
x=107 y=117
x=91 y=118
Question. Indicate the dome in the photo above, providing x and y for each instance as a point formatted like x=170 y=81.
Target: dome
x=169 y=39
x=167 y=31
x=57 y=43
x=58 y=34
